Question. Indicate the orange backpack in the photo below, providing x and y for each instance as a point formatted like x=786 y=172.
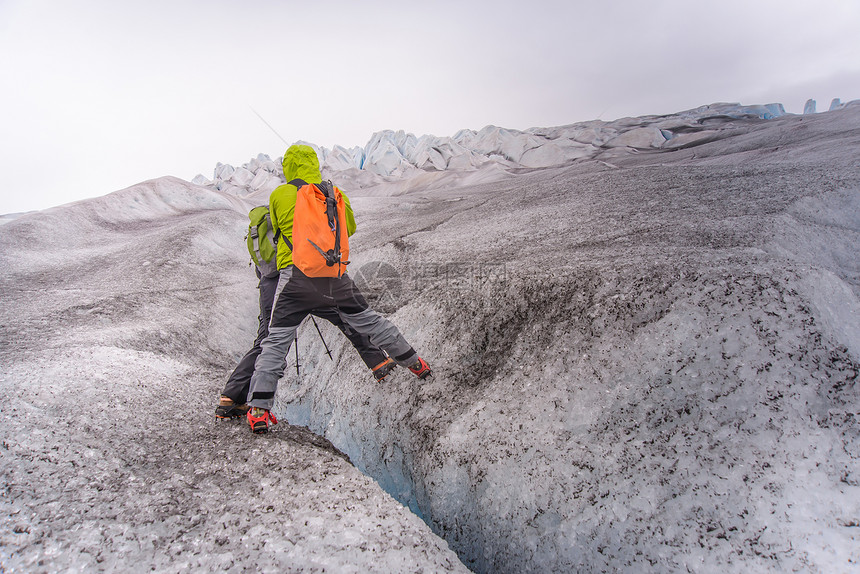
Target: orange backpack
x=320 y=243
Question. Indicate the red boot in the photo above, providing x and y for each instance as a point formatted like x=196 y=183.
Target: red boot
x=260 y=420
x=421 y=369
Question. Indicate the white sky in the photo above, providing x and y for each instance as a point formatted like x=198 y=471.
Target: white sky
x=99 y=95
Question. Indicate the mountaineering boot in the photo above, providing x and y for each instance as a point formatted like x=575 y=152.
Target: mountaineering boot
x=420 y=369
x=260 y=420
x=383 y=369
x=227 y=409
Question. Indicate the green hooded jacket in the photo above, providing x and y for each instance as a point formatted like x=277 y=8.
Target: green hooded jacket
x=300 y=161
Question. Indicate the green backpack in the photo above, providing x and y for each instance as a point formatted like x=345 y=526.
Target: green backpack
x=262 y=244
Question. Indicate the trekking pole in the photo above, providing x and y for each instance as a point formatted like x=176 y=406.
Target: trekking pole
x=296 y=344
x=322 y=339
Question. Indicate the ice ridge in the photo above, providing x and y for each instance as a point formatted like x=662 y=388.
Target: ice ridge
x=397 y=155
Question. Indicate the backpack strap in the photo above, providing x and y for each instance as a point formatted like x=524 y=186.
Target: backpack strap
x=333 y=220
x=255 y=236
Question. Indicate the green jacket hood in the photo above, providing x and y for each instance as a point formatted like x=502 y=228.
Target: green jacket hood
x=300 y=161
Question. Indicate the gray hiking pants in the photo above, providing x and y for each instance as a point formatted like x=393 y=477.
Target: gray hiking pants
x=240 y=379
x=297 y=296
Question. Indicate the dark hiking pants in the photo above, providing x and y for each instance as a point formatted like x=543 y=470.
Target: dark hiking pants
x=299 y=295
x=240 y=379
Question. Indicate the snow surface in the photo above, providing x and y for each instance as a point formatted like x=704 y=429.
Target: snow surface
x=645 y=361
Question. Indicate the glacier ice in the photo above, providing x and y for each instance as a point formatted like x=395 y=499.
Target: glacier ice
x=664 y=379
x=397 y=155
x=223 y=171
x=497 y=152
x=664 y=398
x=200 y=179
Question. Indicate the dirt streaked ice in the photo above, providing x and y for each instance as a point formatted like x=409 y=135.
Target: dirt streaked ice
x=645 y=361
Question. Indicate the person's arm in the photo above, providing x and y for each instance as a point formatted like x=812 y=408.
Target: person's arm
x=282 y=206
x=275 y=227
x=350 y=216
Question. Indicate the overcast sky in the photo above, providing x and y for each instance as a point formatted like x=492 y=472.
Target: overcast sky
x=99 y=95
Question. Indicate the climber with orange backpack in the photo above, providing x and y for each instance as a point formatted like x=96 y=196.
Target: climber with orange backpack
x=313 y=220
x=262 y=248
